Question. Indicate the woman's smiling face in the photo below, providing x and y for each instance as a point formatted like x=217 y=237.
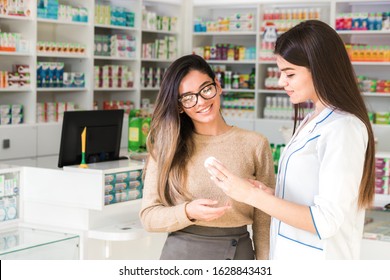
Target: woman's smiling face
x=205 y=111
x=296 y=81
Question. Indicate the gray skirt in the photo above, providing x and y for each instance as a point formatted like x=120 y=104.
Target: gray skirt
x=208 y=243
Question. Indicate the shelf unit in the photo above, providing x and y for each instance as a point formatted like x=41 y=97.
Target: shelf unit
x=131 y=93
x=227 y=41
x=151 y=33
x=88 y=97
x=327 y=11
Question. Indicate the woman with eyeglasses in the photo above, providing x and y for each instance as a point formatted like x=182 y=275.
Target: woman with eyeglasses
x=178 y=197
x=326 y=174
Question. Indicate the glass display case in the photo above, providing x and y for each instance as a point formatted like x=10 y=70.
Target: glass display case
x=21 y=243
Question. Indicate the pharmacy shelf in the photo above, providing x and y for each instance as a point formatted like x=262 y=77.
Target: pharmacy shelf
x=232 y=62
x=156 y=60
x=272 y=91
x=127 y=59
x=17 y=18
x=11 y=89
x=239 y=90
x=62 y=55
x=15 y=53
x=376 y=94
x=326 y=10
x=116 y=27
x=63 y=89
x=61 y=22
x=160 y=32
x=226 y=33
x=363 y=32
x=114 y=89
x=366 y=63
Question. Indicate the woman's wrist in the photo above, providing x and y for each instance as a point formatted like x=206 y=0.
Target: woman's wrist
x=255 y=197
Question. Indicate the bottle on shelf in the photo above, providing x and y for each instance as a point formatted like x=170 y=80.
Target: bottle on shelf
x=252 y=79
x=228 y=80
x=135 y=128
x=235 y=81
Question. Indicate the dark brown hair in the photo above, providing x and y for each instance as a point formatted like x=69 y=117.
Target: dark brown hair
x=315 y=45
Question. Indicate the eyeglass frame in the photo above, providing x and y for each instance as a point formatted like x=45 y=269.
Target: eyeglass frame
x=197 y=95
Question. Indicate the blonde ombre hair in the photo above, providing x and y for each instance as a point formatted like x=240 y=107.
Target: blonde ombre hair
x=170 y=138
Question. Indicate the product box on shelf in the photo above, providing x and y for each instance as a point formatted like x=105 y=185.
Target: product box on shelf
x=382 y=173
x=123 y=186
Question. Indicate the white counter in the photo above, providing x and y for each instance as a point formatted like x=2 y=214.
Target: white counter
x=72 y=200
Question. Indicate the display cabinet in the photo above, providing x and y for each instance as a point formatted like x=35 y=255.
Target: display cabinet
x=162 y=24
x=35 y=244
x=20 y=241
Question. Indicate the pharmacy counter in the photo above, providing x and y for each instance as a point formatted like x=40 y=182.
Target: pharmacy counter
x=100 y=204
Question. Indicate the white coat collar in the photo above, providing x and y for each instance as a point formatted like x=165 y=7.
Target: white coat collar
x=310 y=127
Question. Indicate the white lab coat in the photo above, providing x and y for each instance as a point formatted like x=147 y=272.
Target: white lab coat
x=322 y=167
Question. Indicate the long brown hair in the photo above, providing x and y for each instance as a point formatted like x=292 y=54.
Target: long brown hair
x=170 y=138
x=315 y=45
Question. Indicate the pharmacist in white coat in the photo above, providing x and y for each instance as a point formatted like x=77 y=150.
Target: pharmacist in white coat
x=326 y=172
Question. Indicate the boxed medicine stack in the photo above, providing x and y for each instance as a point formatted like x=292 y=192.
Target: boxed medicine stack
x=123 y=186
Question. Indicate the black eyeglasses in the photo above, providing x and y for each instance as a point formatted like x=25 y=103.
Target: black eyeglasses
x=189 y=100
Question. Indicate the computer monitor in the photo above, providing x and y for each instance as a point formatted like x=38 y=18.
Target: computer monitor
x=103 y=136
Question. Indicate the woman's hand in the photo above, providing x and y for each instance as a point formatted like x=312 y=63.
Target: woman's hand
x=242 y=190
x=260 y=185
x=205 y=210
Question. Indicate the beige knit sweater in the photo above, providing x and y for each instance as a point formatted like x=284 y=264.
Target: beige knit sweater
x=247 y=154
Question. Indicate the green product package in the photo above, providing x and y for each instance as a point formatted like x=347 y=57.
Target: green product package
x=134 y=134
x=145 y=127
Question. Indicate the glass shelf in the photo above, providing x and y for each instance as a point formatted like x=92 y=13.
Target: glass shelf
x=29 y=243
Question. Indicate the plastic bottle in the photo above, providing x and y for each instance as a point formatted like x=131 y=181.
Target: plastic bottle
x=206 y=53
x=276 y=157
x=371 y=21
x=378 y=21
x=252 y=79
x=228 y=80
x=134 y=135
x=268 y=79
x=230 y=52
x=235 y=81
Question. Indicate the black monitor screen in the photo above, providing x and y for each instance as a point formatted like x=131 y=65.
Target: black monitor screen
x=103 y=136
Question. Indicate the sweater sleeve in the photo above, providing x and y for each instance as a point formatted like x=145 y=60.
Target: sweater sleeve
x=261 y=221
x=155 y=216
